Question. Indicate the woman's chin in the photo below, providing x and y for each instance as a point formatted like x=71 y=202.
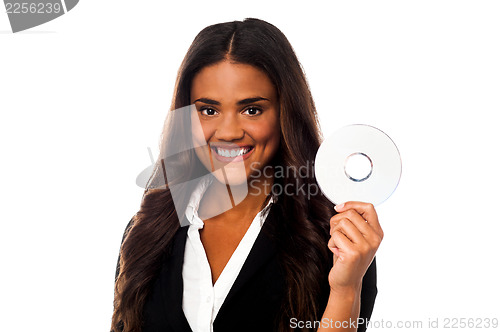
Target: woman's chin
x=235 y=184
x=232 y=177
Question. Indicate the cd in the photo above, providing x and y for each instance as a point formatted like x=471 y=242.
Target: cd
x=358 y=163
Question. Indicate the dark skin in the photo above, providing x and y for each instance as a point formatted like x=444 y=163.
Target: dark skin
x=226 y=115
x=221 y=92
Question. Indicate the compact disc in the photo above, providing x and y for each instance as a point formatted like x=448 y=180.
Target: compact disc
x=358 y=163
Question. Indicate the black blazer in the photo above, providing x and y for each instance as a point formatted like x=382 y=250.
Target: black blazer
x=253 y=301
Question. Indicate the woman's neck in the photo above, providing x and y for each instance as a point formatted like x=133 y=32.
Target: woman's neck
x=232 y=204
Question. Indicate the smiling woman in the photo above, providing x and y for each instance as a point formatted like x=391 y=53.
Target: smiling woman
x=239 y=119
x=223 y=255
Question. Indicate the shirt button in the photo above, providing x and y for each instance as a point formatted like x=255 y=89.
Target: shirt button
x=209 y=299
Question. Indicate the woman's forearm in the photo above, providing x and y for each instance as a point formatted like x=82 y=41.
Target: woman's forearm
x=342 y=310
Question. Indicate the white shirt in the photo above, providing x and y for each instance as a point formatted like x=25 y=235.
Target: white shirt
x=201 y=301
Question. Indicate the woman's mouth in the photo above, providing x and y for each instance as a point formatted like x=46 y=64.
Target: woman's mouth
x=232 y=153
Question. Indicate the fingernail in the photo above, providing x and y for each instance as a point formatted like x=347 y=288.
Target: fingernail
x=339 y=207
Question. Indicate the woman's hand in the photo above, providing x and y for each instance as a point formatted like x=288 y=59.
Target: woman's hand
x=355 y=237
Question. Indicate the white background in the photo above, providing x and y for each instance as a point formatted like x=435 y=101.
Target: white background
x=83 y=96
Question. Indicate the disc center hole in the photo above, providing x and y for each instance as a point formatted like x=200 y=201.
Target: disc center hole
x=358 y=167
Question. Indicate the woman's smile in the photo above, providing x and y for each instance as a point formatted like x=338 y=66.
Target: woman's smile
x=230 y=152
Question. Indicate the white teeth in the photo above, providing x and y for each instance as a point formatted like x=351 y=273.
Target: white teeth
x=231 y=153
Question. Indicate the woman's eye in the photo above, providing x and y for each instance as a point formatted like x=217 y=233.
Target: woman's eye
x=252 y=111
x=208 y=111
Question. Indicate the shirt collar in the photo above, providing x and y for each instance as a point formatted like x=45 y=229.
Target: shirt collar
x=199 y=191
x=195 y=199
x=265 y=211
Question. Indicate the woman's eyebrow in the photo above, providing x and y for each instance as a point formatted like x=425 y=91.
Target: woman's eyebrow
x=207 y=101
x=241 y=102
x=251 y=100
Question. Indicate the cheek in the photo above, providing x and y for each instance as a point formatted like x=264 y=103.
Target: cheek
x=200 y=136
x=201 y=131
x=267 y=133
x=208 y=128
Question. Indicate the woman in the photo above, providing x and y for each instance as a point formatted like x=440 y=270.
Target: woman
x=261 y=250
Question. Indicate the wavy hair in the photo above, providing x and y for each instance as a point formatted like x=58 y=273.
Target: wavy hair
x=301 y=235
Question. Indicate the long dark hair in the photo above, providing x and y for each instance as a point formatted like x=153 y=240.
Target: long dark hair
x=303 y=232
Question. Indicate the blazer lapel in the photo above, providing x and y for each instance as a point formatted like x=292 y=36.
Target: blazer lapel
x=172 y=285
x=262 y=251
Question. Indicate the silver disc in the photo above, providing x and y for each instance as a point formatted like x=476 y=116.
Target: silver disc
x=358 y=163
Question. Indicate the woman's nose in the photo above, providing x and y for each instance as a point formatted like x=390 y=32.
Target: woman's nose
x=229 y=128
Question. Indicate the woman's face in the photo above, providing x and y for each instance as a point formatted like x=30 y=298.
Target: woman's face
x=237 y=107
